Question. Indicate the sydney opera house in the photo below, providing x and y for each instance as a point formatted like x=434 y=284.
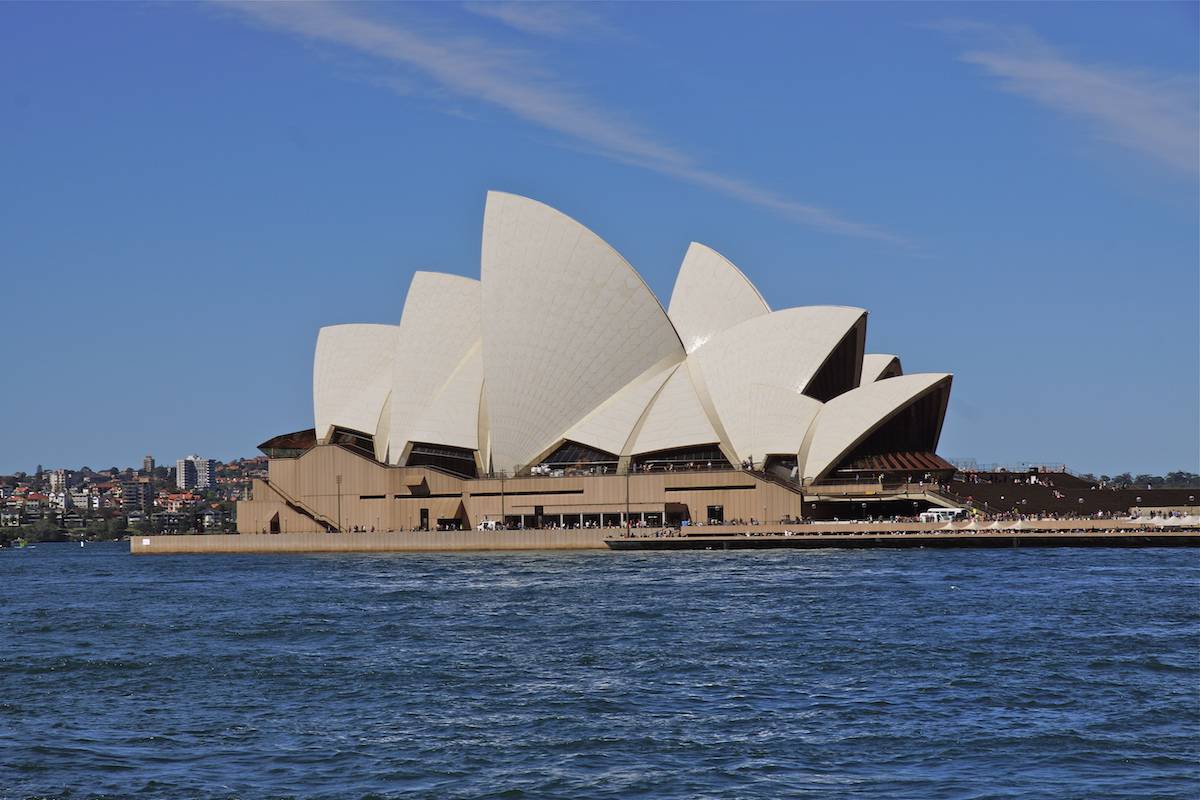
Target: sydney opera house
x=556 y=391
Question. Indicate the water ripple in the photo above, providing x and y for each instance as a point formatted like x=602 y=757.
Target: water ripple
x=923 y=674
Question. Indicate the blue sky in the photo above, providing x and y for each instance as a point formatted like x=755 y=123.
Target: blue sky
x=189 y=191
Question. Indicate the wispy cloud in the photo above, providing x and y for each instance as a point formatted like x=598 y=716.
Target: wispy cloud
x=1156 y=116
x=542 y=19
x=476 y=70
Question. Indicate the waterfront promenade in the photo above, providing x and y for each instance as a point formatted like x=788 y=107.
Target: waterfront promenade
x=1017 y=533
x=379 y=542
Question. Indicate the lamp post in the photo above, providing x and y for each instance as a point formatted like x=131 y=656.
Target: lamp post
x=338 y=480
x=628 y=521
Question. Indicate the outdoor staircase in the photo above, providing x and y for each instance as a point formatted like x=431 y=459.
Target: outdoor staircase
x=328 y=525
x=952 y=500
x=778 y=480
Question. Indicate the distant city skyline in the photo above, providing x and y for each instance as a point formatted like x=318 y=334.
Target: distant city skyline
x=1011 y=190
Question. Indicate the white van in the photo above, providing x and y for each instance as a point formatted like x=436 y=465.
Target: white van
x=943 y=514
x=486 y=525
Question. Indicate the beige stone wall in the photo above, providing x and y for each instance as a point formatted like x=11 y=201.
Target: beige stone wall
x=370 y=542
x=391 y=498
x=742 y=495
x=371 y=495
x=255 y=517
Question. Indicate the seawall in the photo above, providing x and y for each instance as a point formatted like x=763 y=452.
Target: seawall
x=1025 y=533
x=371 y=542
x=910 y=539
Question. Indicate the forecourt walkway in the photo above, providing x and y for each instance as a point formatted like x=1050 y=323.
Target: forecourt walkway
x=1021 y=533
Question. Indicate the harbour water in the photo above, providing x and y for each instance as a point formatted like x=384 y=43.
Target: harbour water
x=1056 y=673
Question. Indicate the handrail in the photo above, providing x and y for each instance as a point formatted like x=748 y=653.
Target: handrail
x=968 y=502
x=505 y=475
x=835 y=487
x=970 y=465
x=778 y=480
x=317 y=517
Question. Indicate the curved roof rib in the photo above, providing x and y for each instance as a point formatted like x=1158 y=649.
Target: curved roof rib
x=784 y=349
x=675 y=418
x=847 y=420
x=711 y=295
x=352 y=375
x=877 y=366
x=452 y=418
x=567 y=322
x=611 y=425
x=779 y=420
x=383 y=429
x=439 y=327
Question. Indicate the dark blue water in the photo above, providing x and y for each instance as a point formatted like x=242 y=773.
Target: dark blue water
x=893 y=674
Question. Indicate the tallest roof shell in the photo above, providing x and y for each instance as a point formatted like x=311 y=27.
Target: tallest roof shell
x=567 y=323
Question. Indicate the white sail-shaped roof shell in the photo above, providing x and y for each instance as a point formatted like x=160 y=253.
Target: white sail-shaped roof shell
x=779 y=419
x=876 y=366
x=452 y=418
x=562 y=340
x=352 y=376
x=710 y=295
x=567 y=323
x=439 y=327
x=611 y=425
x=784 y=349
x=849 y=418
x=676 y=418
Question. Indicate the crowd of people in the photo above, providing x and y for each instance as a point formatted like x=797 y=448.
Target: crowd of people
x=587 y=470
x=672 y=466
x=973 y=515
x=1030 y=479
x=639 y=527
